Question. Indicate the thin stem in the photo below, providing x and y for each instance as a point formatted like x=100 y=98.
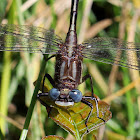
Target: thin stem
x=33 y=101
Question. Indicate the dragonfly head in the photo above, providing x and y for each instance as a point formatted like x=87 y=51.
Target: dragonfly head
x=65 y=97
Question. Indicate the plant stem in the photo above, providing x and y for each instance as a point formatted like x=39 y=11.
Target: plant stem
x=33 y=101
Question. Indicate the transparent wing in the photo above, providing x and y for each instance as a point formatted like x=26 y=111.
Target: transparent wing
x=113 y=51
x=28 y=39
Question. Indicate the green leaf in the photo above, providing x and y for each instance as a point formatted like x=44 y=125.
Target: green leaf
x=72 y=119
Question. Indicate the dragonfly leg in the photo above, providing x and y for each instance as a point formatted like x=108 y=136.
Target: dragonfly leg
x=50 y=80
x=48 y=108
x=90 y=105
x=46 y=59
x=47 y=75
x=91 y=83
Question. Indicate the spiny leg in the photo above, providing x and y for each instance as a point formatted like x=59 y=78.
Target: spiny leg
x=92 y=97
x=90 y=105
x=91 y=83
x=48 y=108
x=50 y=80
x=47 y=75
x=46 y=59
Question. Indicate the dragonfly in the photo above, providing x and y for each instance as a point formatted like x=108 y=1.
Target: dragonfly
x=69 y=57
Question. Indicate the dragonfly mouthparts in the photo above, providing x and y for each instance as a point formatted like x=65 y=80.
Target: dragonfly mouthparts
x=64 y=104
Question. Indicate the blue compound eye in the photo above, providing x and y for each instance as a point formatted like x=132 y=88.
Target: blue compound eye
x=54 y=94
x=76 y=95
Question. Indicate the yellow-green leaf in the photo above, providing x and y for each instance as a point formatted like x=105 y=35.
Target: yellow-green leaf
x=73 y=119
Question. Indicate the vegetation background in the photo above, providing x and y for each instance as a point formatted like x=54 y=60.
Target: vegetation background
x=116 y=85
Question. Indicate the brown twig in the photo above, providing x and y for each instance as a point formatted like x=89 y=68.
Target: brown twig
x=97 y=27
x=122 y=91
x=13 y=122
x=27 y=5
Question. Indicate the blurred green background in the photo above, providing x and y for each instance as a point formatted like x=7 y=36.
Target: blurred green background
x=18 y=71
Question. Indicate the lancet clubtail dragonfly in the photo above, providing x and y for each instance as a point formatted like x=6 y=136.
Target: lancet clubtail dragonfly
x=69 y=56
